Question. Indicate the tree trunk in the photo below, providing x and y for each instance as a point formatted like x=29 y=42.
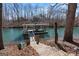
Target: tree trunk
x=1 y=41
x=68 y=35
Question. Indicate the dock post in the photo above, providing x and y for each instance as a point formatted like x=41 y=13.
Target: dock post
x=56 y=33
x=37 y=39
x=37 y=36
x=19 y=46
x=27 y=39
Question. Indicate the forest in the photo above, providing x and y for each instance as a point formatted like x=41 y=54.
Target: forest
x=14 y=15
x=66 y=15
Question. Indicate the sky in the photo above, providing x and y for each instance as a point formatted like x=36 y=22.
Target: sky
x=40 y=4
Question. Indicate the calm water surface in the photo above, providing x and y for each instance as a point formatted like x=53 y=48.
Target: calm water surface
x=16 y=34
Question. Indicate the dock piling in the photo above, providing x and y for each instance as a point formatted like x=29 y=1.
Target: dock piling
x=56 y=33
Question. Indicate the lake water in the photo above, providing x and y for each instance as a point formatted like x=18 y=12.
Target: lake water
x=16 y=34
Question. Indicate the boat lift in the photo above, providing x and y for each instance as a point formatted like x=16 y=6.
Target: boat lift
x=37 y=29
x=33 y=27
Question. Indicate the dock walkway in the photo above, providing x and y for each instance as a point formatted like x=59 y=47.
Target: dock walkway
x=44 y=50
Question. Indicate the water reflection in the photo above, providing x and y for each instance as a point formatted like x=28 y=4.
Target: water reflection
x=16 y=34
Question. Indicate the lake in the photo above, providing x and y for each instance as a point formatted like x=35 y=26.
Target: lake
x=16 y=34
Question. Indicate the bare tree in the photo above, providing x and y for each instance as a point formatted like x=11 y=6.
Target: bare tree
x=1 y=40
x=68 y=35
x=16 y=9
